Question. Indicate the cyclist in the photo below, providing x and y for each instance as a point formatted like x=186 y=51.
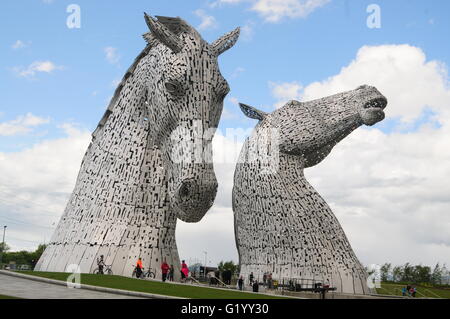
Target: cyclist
x=139 y=268
x=100 y=264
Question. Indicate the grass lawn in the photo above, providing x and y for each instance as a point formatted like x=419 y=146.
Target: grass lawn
x=160 y=288
x=422 y=292
x=7 y=297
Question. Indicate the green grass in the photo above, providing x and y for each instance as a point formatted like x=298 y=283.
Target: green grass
x=160 y=288
x=422 y=291
x=7 y=297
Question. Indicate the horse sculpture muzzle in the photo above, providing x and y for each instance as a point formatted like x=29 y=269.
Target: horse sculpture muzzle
x=193 y=199
x=372 y=110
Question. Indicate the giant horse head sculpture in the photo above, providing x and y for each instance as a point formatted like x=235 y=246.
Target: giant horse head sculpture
x=311 y=129
x=184 y=102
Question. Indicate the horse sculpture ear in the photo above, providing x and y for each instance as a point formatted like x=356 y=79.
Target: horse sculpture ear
x=252 y=113
x=163 y=34
x=226 y=41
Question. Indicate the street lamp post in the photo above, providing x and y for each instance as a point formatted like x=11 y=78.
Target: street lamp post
x=3 y=244
x=204 y=271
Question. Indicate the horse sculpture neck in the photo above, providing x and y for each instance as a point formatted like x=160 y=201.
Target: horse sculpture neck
x=284 y=227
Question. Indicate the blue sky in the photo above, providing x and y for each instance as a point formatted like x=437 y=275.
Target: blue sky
x=56 y=82
x=303 y=50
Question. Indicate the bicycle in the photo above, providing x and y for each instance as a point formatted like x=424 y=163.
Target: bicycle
x=149 y=274
x=144 y=274
x=106 y=270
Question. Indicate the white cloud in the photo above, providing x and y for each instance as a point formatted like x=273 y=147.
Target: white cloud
x=36 y=67
x=233 y=100
x=213 y=234
x=112 y=56
x=19 y=44
x=388 y=193
x=115 y=82
x=219 y=3
x=35 y=184
x=228 y=114
x=247 y=31
x=388 y=190
x=401 y=72
x=237 y=72
x=207 y=21
x=285 y=92
x=21 y=125
x=275 y=10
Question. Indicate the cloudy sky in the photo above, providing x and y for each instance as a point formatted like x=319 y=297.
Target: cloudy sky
x=388 y=185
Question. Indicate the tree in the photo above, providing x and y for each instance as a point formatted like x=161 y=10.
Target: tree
x=24 y=257
x=437 y=274
x=445 y=275
x=385 y=271
x=229 y=265
x=407 y=273
x=38 y=252
x=421 y=274
x=397 y=273
x=3 y=248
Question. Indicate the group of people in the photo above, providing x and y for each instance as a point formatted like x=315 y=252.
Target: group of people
x=267 y=281
x=168 y=271
x=409 y=291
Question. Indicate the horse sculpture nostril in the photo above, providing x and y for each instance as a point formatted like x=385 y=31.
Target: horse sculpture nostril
x=184 y=190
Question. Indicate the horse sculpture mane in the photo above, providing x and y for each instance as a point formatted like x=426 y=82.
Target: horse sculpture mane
x=177 y=26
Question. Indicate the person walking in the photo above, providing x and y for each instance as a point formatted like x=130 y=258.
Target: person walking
x=211 y=276
x=265 y=279
x=171 y=272
x=241 y=283
x=408 y=290
x=412 y=292
x=255 y=286
x=100 y=264
x=269 y=281
x=164 y=270
x=251 y=277
x=404 y=291
x=184 y=271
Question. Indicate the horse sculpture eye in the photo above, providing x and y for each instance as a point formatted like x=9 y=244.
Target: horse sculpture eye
x=171 y=87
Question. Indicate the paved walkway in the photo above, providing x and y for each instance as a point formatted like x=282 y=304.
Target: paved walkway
x=30 y=289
